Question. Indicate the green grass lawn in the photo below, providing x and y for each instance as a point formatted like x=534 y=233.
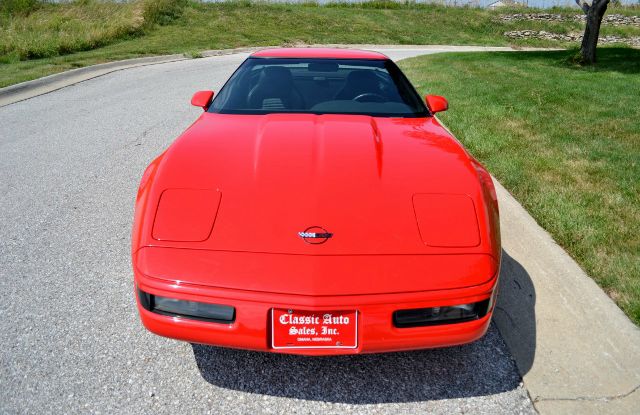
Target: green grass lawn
x=58 y=37
x=564 y=140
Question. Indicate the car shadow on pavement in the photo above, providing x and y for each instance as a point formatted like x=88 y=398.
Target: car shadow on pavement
x=481 y=368
x=514 y=314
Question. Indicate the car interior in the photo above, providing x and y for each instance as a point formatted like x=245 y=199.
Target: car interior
x=317 y=86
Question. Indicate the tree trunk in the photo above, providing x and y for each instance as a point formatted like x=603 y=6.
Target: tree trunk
x=592 y=30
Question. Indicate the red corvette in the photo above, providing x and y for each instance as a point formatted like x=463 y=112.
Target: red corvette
x=317 y=206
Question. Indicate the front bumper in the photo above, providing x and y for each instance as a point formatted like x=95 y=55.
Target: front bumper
x=376 y=332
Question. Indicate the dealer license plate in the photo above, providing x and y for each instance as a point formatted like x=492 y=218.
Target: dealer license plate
x=297 y=329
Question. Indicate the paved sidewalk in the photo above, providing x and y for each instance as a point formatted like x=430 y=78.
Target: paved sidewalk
x=577 y=352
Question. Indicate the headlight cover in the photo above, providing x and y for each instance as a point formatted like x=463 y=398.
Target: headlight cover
x=186 y=215
x=446 y=220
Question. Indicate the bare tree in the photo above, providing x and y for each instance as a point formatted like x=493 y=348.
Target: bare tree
x=594 y=12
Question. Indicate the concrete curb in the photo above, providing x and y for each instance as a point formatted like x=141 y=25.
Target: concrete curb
x=29 y=89
x=40 y=86
x=576 y=351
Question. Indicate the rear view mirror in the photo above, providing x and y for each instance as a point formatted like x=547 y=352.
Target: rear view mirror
x=202 y=99
x=323 y=67
x=436 y=103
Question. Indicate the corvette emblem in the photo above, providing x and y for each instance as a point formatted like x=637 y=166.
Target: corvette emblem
x=315 y=235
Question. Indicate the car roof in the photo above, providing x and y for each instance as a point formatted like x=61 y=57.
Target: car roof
x=324 y=53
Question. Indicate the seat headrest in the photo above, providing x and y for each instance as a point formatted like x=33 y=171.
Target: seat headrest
x=276 y=74
x=362 y=78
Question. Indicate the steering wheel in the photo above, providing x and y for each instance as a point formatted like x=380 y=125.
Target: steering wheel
x=370 y=97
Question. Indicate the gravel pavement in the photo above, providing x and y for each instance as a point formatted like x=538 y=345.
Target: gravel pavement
x=70 y=162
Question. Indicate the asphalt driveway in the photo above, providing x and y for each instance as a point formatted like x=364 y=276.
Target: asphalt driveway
x=70 y=162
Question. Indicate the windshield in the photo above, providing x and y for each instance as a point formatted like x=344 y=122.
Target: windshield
x=319 y=86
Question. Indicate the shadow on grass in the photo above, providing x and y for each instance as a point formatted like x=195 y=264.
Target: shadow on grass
x=477 y=369
x=610 y=59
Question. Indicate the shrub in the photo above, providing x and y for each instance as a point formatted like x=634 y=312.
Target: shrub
x=18 y=6
x=162 y=12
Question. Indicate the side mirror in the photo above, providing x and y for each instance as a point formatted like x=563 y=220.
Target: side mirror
x=202 y=99
x=436 y=103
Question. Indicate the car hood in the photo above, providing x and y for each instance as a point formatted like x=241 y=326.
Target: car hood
x=353 y=176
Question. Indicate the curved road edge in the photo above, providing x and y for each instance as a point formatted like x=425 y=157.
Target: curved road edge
x=576 y=351
x=29 y=89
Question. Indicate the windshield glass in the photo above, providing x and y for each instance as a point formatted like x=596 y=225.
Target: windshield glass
x=319 y=86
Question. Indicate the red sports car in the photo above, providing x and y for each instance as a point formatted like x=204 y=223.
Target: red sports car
x=316 y=207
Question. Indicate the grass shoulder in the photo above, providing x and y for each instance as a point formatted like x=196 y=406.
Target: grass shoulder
x=563 y=139
x=54 y=37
